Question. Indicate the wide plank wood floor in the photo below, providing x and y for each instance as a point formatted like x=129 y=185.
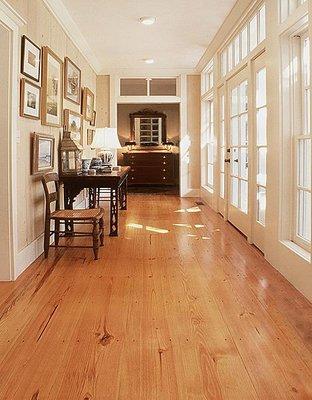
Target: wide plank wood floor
x=178 y=307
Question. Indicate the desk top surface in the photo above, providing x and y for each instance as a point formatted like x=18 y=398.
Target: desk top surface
x=112 y=176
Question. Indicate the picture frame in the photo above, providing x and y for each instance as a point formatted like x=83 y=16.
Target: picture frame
x=90 y=136
x=43 y=148
x=30 y=59
x=73 y=122
x=87 y=104
x=93 y=122
x=52 y=89
x=30 y=99
x=72 y=81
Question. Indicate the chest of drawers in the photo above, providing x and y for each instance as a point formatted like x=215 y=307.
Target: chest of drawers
x=150 y=168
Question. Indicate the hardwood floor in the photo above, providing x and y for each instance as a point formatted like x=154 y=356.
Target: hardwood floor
x=178 y=307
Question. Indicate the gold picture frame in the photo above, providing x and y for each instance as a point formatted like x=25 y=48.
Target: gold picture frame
x=72 y=81
x=30 y=100
x=43 y=148
x=73 y=122
x=87 y=104
x=52 y=89
x=90 y=136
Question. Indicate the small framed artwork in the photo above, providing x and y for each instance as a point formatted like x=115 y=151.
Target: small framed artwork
x=87 y=104
x=43 y=153
x=73 y=122
x=93 y=122
x=30 y=100
x=52 y=89
x=31 y=59
x=72 y=81
x=90 y=136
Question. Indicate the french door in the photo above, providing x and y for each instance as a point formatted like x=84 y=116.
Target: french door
x=238 y=207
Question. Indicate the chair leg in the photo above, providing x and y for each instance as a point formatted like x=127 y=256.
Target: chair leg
x=57 y=232
x=102 y=231
x=96 y=242
x=46 y=237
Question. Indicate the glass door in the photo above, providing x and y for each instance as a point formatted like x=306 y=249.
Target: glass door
x=238 y=140
x=222 y=150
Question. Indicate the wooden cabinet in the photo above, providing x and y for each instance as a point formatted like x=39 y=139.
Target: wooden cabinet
x=150 y=167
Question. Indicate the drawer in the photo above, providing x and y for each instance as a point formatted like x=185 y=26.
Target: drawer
x=151 y=175
x=148 y=159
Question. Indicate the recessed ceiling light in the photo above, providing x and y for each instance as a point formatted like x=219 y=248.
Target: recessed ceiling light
x=147 y=20
x=149 y=61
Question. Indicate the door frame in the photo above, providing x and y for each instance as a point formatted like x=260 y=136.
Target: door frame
x=12 y=21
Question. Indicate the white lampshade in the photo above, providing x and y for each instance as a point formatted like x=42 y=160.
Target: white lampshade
x=105 y=139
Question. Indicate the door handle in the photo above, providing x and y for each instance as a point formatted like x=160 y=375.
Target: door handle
x=228 y=160
x=235 y=160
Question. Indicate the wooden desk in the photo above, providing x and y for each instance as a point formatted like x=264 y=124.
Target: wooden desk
x=116 y=181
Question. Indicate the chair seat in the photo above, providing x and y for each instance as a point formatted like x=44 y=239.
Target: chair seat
x=84 y=214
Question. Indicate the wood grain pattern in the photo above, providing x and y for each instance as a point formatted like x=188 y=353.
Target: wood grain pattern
x=178 y=307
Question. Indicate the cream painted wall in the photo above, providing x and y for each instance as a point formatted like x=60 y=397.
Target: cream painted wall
x=43 y=29
x=103 y=101
x=193 y=131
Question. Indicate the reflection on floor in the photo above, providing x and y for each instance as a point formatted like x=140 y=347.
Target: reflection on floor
x=168 y=190
x=178 y=307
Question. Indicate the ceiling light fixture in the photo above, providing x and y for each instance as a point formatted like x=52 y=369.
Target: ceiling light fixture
x=149 y=61
x=147 y=20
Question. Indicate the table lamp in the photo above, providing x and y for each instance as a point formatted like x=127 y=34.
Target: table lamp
x=107 y=142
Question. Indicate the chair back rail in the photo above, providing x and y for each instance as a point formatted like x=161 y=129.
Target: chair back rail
x=51 y=195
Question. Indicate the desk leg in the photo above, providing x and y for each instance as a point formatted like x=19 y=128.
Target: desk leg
x=114 y=211
x=69 y=205
x=92 y=197
x=124 y=190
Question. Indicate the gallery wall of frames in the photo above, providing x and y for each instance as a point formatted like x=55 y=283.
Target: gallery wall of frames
x=57 y=91
x=256 y=130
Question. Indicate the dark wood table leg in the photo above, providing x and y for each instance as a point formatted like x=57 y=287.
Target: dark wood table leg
x=124 y=190
x=114 y=206
x=92 y=197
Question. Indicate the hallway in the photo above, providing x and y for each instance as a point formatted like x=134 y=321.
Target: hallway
x=179 y=306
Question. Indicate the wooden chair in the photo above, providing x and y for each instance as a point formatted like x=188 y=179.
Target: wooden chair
x=70 y=218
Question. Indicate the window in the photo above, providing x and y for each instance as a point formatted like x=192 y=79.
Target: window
x=302 y=145
x=261 y=144
x=208 y=136
x=287 y=7
x=222 y=146
x=207 y=78
x=148 y=87
x=246 y=41
x=239 y=147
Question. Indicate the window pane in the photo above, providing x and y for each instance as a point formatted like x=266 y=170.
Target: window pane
x=261 y=205
x=253 y=33
x=244 y=196
x=244 y=162
x=133 y=87
x=243 y=129
x=304 y=163
x=210 y=175
x=222 y=185
x=163 y=87
x=261 y=175
x=262 y=127
x=236 y=51
x=234 y=131
x=224 y=63
x=262 y=24
x=234 y=191
x=304 y=215
x=261 y=88
x=244 y=39
x=243 y=96
x=230 y=57
x=234 y=98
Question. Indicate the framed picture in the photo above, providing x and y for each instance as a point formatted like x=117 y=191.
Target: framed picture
x=30 y=59
x=90 y=136
x=30 y=100
x=87 y=104
x=72 y=82
x=52 y=89
x=93 y=122
x=73 y=122
x=43 y=153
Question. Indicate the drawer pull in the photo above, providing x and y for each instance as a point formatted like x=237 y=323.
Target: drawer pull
x=132 y=178
x=164 y=156
x=164 y=170
x=164 y=163
x=164 y=177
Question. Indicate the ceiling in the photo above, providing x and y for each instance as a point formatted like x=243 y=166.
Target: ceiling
x=176 y=41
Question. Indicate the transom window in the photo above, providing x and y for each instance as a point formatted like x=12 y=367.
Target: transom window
x=246 y=41
x=287 y=7
x=207 y=78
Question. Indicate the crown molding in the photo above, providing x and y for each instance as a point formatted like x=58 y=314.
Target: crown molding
x=9 y=11
x=60 y=12
x=147 y=72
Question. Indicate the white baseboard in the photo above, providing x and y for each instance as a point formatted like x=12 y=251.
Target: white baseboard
x=28 y=255
x=191 y=193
